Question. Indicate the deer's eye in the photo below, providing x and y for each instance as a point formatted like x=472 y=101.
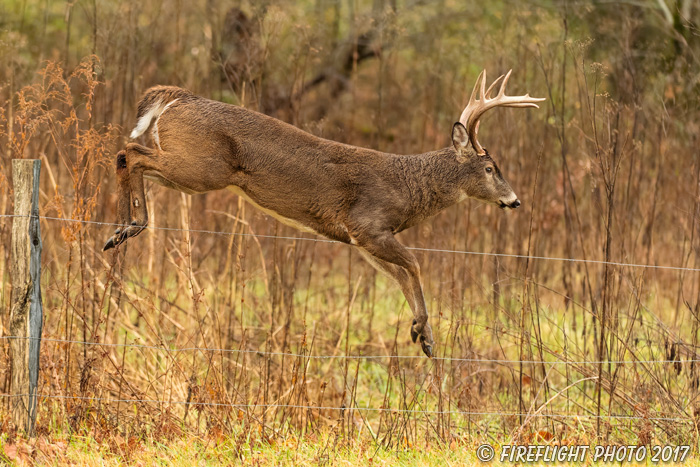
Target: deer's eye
x=489 y=170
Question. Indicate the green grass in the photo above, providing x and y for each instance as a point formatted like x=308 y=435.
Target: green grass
x=215 y=450
x=325 y=449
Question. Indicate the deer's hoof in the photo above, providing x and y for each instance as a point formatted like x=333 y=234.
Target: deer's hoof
x=427 y=348
x=426 y=337
x=118 y=238
x=110 y=243
x=414 y=333
x=120 y=235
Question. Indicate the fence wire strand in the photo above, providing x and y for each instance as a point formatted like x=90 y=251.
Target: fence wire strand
x=344 y=357
x=358 y=357
x=324 y=240
x=355 y=408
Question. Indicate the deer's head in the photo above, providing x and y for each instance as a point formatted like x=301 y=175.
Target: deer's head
x=483 y=179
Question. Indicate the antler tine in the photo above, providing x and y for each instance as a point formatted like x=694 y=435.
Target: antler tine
x=502 y=91
x=525 y=104
x=488 y=91
x=476 y=86
x=482 y=96
x=473 y=103
x=476 y=108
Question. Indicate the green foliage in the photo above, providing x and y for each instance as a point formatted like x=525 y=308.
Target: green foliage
x=607 y=169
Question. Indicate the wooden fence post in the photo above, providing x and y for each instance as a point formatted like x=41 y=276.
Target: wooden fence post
x=26 y=309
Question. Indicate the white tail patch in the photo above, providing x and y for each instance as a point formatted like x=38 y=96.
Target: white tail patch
x=145 y=121
x=155 y=125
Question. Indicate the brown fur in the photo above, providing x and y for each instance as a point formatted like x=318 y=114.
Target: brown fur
x=345 y=193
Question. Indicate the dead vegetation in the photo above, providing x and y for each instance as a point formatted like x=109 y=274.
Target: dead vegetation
x=243 y=334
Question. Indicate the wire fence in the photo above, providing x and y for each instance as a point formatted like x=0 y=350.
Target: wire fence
x=539 y=413
x=414 y=411
x=323 y=240
x=263 y=353
x=358 y=408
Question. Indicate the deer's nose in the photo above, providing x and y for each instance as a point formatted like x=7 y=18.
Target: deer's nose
x=515 y=204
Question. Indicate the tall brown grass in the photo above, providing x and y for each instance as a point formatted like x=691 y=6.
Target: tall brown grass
x=607 y=170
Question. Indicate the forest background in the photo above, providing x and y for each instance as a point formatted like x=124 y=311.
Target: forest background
x=266 y=341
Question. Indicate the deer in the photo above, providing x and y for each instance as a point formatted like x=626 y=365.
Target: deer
x=357 y=196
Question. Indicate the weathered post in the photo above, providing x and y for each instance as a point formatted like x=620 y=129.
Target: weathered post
x=26 y=309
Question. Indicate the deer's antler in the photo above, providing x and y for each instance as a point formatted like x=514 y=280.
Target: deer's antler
x=476 y=108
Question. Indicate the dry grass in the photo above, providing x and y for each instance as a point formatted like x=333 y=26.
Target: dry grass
x=320 y=449
x=607 y=170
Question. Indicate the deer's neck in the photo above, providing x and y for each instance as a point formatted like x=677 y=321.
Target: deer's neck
x=433 y=183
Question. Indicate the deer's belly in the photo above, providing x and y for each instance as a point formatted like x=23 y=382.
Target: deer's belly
x=157 y=177
x=285 y=220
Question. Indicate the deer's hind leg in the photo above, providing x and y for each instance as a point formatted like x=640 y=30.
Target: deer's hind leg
x=131 y=203
x=123 y=202
x=123 y=191
x=387 y=255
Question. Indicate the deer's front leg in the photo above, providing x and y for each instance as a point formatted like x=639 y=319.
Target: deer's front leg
x=386 y=254
x=131 y=198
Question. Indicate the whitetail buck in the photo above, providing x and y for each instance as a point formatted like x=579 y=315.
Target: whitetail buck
x=346 y=193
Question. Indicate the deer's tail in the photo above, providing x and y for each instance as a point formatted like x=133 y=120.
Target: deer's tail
x=153 y=103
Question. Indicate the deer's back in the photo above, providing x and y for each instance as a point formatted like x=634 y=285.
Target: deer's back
x=288 y=172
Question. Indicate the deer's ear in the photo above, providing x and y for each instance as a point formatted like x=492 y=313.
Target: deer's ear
x=460 y=140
